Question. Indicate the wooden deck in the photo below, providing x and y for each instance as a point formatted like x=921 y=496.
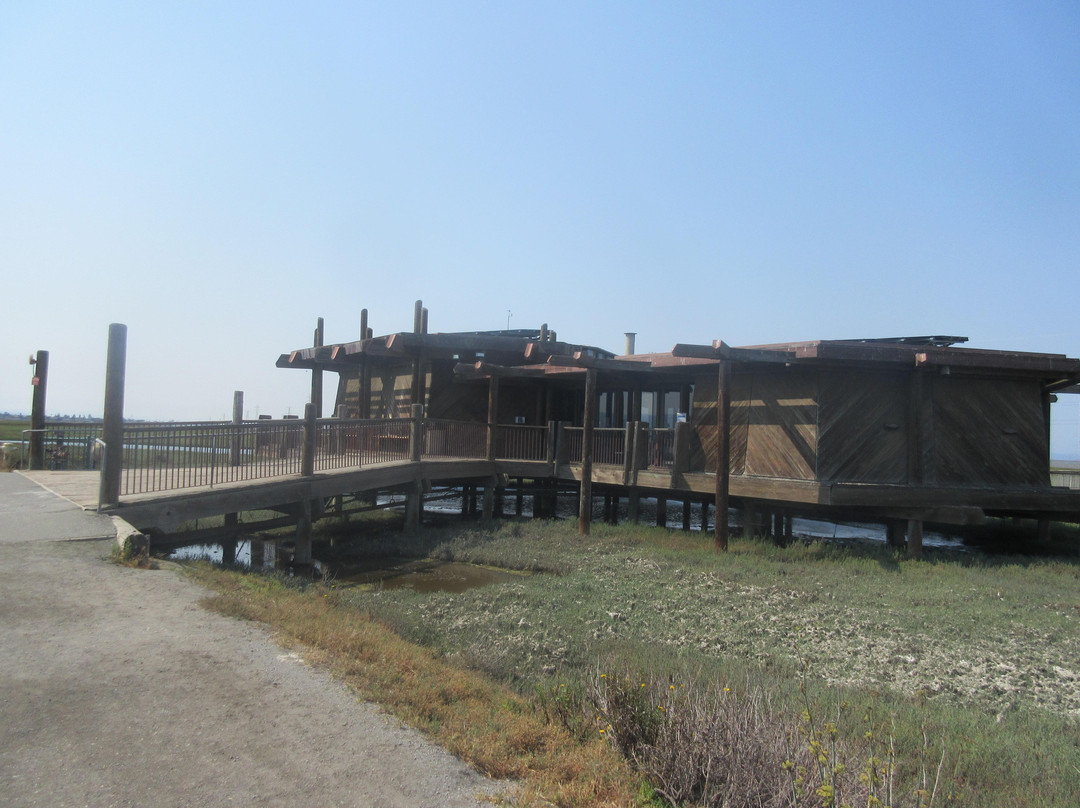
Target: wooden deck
x=168 y=510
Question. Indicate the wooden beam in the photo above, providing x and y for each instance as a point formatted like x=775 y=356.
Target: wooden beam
x=723 y=454
x=585 y=498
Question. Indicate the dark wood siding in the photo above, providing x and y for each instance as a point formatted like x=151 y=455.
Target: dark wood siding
x=988 y=432
x=862 y=427
x=782 y=435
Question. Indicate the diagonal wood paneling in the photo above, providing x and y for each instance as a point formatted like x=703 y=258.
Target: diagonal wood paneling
x=862 y=429
x=782 y=435
x=988 y=432
x=703 y=423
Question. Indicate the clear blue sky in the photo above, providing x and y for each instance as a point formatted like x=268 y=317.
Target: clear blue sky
x=217 y=175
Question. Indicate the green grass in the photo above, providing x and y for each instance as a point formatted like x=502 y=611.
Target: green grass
x=982 y=651
x=12 y=430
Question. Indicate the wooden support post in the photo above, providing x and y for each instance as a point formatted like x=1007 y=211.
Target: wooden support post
x=633 y=506
x=641 y=449
x=228 y=541
x=237 y=420
x=416 y=433
x=112 y=428
x=894 y=533
x=1042 y=528
x=492 y=415
x=723 y=453
x=307 y=457
x=489 y=499
x=789 y=528
x=661 y=511
x=40 y=382
x=316 y=373
x=585 y=498
x=519 y=497
x=414 y=506
x=684 y=400
x=302 y=554
x=750 y=519
x=686 y=514
x=914 y=538
x=628 y=454
x=704 y=515
x=465 y=500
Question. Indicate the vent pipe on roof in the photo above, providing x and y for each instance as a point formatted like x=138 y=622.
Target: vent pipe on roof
x=418 y=316
x=543 y=332
x=630 y=340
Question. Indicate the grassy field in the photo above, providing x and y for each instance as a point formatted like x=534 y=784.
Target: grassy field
x=841 y=666
x=12 y=430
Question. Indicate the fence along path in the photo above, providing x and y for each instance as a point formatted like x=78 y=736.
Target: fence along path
x=162 y=457
x=167 y=457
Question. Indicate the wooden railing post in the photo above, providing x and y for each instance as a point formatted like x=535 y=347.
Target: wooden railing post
x=416 y=434
x=628 y=453
x=552 y=438
x=681 y=456
x=307 y=457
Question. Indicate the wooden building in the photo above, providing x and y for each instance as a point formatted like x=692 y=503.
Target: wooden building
x=902 y=430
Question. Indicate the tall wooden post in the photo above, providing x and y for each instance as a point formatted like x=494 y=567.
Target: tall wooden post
x=316 y=373
x=307 y=457
x=416 y=433
x=492 y=415
x=237 y=420
x=302 y=554
x=723 y=453
x=112 y=428
x=418 y=360
x=914 y=538
x=37 y=410
x=585 y=499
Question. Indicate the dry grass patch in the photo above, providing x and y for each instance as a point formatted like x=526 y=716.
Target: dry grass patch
x=476 y=719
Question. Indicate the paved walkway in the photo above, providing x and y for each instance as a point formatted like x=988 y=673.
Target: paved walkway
x=118 y=689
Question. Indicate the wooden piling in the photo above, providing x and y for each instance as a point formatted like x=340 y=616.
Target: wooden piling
x=585 y=497
x=723 y=453
x=914 y=538
x=316 y=372
x=237 y=420
x=37 y=410
x=302 y=554
x=307 y=457
x=112 y=428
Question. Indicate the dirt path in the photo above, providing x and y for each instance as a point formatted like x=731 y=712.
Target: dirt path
x=118 y=689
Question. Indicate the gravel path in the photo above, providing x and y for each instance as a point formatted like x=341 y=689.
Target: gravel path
x=118 y=689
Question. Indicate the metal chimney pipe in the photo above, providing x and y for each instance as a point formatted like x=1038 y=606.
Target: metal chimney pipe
x=630 y=339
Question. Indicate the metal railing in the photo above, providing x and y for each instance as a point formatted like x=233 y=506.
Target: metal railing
x=347 y=443
x=518 y=442
x=162 y=457
x=65 y=447
x=168 y=456
x=455 y=439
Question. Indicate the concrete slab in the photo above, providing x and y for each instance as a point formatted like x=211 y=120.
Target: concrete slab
x=30 y=513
